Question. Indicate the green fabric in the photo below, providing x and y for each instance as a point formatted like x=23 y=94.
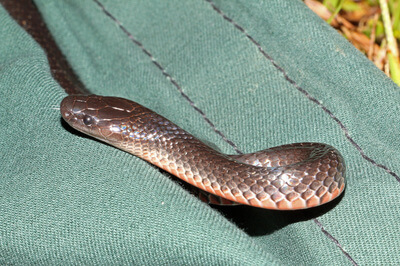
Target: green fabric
x=67 y=199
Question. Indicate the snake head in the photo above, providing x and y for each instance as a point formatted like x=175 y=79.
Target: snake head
x=104 y=118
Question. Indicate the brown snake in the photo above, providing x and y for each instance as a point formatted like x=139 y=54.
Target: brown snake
x=288 y=177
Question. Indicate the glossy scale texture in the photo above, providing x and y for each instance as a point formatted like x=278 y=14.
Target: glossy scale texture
x=288 y=177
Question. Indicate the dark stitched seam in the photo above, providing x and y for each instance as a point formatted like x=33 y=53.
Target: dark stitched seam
x=168 y=76
x=334 y=240
x=308 y=95
x=291 y=81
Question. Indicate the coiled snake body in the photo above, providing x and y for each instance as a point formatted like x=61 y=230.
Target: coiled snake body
x=288 y=177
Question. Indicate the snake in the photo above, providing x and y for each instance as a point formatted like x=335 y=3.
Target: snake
x=287 y=177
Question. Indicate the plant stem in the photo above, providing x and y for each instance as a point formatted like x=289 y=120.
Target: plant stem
x=393 y=53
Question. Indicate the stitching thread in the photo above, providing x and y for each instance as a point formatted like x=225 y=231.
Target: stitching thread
x=334 y=240
x=308 y=95
x=169 y=77
x=187 y=98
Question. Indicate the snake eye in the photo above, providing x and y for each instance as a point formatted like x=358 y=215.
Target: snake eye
x=88 y=120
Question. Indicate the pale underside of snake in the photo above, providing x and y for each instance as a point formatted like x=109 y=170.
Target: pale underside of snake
x=287 y=177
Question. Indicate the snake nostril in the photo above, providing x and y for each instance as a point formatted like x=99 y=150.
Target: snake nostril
x=66 y=114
